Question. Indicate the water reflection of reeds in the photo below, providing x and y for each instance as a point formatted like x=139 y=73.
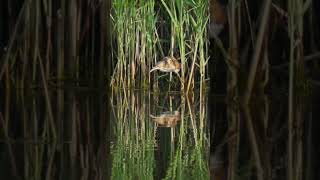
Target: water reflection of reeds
x=34 y=153
x=252 y=142
x=132 y=149
x=144 y=148
x=190 y=158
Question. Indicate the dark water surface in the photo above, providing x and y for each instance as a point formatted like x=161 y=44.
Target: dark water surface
x=150 y=135
x=129 y=135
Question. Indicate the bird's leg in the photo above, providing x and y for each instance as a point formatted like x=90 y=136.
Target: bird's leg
x=179 y=77
x=170 y=79
x=162 y=76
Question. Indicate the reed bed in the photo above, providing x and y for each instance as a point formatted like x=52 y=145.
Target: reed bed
x=135 y=34
x=53 y=45
x=50 y=46
x=254 y=55
x=138 y=45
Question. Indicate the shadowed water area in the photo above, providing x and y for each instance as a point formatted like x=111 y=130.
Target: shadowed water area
x=129 y=135
x=159 y=89
x=152 y=135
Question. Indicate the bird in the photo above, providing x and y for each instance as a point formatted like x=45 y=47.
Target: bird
x=218 y=18
x=167 y=119
x=167 y=64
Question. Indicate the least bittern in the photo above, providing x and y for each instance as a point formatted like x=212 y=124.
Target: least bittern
x=168 y=64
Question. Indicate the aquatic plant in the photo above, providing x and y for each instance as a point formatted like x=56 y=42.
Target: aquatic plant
x=189 y=20
x=136 y=36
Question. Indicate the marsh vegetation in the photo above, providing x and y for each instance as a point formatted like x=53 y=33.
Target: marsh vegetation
x=146 y=32
x=83 y=95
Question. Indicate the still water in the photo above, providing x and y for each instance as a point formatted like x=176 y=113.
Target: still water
x=125 y=135
x=84 y=133
x=159 y=136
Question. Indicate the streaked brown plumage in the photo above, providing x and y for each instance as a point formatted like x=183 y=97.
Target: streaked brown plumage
x=167 y=64
x=167 y=119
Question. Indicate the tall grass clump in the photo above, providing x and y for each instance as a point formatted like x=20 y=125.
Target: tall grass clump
x=134 y=32
x=137 y=40
x=189 y=20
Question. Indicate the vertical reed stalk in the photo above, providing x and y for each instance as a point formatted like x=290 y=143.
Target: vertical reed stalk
x=36 y=23
x=291 y=26
x=254 y=143
x=296 y=10
x=48 y=99
x=13 y=39
x=257 y=51
x=59 y=54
